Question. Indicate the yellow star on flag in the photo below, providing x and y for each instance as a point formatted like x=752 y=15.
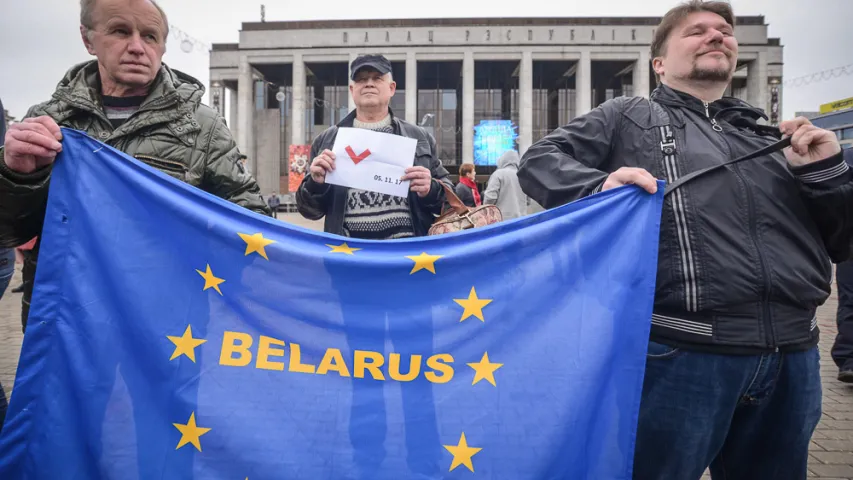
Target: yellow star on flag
x=185 y=344
x=343 y=248
x=256 y=243
x=485 y=370
x=424 y=261
x=190 y=433
x=210 y=281
x=462 y=453
x=473 y=305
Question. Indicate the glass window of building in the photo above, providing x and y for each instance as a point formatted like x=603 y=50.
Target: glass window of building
x=496 y=109
x=554 y=96
x=440 y=106
x=327 y=96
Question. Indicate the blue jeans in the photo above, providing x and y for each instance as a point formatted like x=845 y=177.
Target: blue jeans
x=7 y=268
x=747 y=417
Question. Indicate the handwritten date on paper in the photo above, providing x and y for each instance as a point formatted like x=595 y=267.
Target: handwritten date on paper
x=372 y=161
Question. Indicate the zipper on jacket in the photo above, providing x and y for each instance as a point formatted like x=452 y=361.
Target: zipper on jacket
x=753 y=229
x=716 y=126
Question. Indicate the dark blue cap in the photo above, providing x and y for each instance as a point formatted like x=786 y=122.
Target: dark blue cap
x=376 y=62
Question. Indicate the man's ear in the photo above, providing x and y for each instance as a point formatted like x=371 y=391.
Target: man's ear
x=657 y=66
x=84 y=34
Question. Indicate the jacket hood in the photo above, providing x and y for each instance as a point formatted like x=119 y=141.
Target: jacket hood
x=508 y=159
x=81 y=87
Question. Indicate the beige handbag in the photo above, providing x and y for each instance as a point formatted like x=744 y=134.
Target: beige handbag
x=459 y=217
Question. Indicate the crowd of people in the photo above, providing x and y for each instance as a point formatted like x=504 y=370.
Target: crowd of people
x=746 y=251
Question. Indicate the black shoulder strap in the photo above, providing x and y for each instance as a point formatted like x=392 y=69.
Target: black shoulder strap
x=668 y=148
x=772 y=148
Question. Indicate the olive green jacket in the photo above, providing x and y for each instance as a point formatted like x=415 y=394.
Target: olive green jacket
x=172 y=132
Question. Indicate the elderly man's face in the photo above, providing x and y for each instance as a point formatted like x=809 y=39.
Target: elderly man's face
x=702 y=48
x=129 y=39
x=371 y=89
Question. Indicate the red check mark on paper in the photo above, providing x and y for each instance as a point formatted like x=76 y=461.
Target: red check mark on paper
x=357 y=158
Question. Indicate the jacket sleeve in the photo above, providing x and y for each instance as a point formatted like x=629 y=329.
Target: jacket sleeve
x=434 y=201
x=224 y=175
x=23 y=200
x=827 y=190
x=312 y=198
x=493 y=189
x=564 y=165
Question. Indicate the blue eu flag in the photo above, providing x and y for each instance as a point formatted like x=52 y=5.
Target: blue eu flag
x=174 y=335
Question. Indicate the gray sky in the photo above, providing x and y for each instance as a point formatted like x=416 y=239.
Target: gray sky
x=39 y=39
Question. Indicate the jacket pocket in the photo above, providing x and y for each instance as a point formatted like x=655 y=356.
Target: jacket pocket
x=660 y=351
x=170 y=167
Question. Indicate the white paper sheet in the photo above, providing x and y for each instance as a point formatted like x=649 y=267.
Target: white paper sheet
x=372 y=161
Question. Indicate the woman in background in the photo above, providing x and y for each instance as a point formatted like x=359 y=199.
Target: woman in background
x=466 y=189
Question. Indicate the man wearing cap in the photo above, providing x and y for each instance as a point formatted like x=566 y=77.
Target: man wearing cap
x=370 y=215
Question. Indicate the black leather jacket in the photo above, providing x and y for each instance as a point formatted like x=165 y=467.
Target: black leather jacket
x=744 y=258
x=314 y=200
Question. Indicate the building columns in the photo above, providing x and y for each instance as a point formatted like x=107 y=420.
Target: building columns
x=245 y=92
x=350 y=101
x=411 y=88
x=468 y=108
x=641 y=75
x=756 y=83
x=583 y=84
x=297 y=127
x=233 y=99
x=525 y=97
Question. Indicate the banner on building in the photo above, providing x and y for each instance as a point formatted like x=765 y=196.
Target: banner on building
x=176 y=335
x=837 y=105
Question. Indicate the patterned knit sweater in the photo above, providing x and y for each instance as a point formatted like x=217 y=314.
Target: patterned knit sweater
x=377 y=216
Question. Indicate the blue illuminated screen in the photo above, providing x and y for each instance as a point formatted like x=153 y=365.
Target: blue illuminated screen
x=491 y=139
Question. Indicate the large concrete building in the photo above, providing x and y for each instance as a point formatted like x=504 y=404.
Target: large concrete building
x=285 y=82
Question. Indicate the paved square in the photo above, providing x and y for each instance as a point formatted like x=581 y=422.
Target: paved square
x=832 y=444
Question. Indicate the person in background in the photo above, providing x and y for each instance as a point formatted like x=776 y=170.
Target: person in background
x=503 y=189
x=369 y=215
x=466 y=189
x=274 y=203
x=842 y=349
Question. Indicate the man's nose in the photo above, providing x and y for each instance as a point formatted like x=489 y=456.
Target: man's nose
x=135 y=45
x=716 y=36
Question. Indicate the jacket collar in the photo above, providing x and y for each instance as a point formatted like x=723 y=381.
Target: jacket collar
x=349 y=120
x=81 y=89
x=733 y=110
x=172 y=95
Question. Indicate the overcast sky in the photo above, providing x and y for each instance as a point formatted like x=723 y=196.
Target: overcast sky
x=39 y=39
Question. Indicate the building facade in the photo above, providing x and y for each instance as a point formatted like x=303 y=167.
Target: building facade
x=840 y=122
x=478 y=85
